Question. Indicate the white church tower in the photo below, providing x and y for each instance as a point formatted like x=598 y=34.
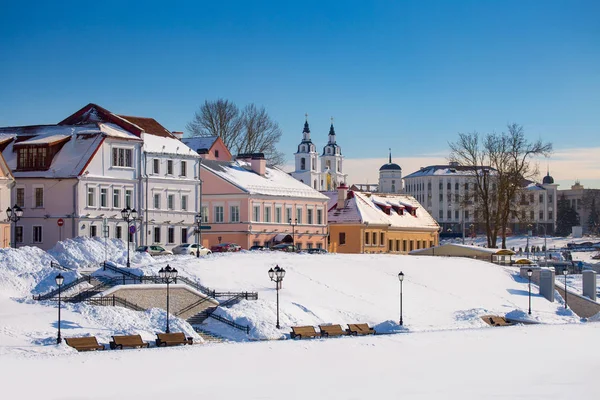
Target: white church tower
x=390 y=177
x=307 y=161
x=331 y=163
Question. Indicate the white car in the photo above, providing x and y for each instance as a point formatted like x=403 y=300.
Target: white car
x=188 y=248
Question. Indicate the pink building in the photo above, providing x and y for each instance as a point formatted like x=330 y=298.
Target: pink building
x=248 y=203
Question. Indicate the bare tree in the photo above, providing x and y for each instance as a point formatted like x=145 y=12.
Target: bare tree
x=218 y=118
x=249 y=131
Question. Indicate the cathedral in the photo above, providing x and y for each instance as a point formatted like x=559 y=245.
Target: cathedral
x=322 y=172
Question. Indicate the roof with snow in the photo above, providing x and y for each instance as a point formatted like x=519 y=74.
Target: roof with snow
x=451 y=169
x=275 y=182
x=393 y=210
x=167 y=145
x=200 y=143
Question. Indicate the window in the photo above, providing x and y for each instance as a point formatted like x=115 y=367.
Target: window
x=234 y=213
x=184 y=202
x=21 y=197
x=466 y=188
x=119 y=232
x=37 y=234
x=204 y=214
x=39 y=197
x=170 y=235
x=157 y=201
x=183 y=171
x=441 y=214
x=303 y=163
x=31 y=158
x=456 y=214
x=288 y=215
x=103 y=197
x=397 y=245
x=267 y=214
x=122 y=157
x=278 y=215
x=309 y=216
x=19 y=234
x=128 y=196
x=156 y=166
x=531 y=215
x=116 y=198
x=449 y=214
x=320 y=217
x=91 y=197
x=218 y=214
x=93 y=231
x=367 y=237
x=466 y=215
x=156 y=234
x=441 y=198
x=404 y=245
x=184 y=235
x=449 y=186
x=412 y=245
x=441 y=185
x=299 y=215
x=169 y=167
x=550 y=199
x=256 y=213
x=216 y=153
x=342 y=238
x=381 y=239
x=171 y=201
x=550 y=215
x=541 y=198
x=541 y=215
x=374 y=241
x=319 y=245
x=309 y=245
x=456 y=186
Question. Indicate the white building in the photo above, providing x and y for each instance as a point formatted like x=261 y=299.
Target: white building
x=323 y=172
x=83 y=171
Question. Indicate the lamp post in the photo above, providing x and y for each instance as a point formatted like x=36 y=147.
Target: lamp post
x=129 y=215
x=529 y=273
x=276 y=276
x=293 y=231
x=198 y=220
x=565 y=272
x=168 y=275
x=59 y=281
x=14 y=214
x=401 y=278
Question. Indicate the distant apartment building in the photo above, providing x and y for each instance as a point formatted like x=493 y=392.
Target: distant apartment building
x=581 y=200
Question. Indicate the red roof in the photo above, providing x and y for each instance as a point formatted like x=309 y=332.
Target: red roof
x=149 y=125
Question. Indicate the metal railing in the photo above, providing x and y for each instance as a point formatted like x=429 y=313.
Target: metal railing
x=114 y=268
x=113 y=301
x=58 y=266
x=206 y=290
x=245 y=328
x=241 y=295
x=63 y=288
x=192 y=306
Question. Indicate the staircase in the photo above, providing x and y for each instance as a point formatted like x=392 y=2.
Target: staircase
x=201 y=316
x=62 y=289
x=208 y=336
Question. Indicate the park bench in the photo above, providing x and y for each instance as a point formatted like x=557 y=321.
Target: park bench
x=303 y=332
x=495 y=320
x=172 y=339
x=133 y=341
x=360 y=329
x=332 y=330
x=87 y=343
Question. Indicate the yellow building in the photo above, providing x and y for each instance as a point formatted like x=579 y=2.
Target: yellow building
x=363 y=222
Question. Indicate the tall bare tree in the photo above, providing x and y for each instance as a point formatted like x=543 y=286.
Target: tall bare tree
x=249 y=131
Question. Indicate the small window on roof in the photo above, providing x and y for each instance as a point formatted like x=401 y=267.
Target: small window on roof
x=216 y=153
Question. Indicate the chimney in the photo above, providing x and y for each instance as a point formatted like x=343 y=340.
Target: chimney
x=258 y=163
x=342 y=194
x=178 y=135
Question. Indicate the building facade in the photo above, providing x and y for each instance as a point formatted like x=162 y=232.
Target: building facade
x=6 y=184
x=584 y=201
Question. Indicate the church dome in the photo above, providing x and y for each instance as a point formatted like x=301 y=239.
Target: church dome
x=548 y=180
x=391 y=167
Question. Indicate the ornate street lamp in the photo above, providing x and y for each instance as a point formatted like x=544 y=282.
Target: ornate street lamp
x=168 y=275
x=529 y=273
x=14 y=215
x=59 y=281
x=401 y=279
x=565 y=272
x=129 y=215
x=293 y=231
x=198 y=221
x=277 y=276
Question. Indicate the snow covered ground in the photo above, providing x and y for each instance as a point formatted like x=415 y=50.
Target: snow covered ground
x=443 y=339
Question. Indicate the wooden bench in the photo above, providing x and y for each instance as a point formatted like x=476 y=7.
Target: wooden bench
x=173 y=339
x=303 y=332
x=332 y=330
x=87 y=343
x=360 y=329
x=133 y=341
x=495 y=320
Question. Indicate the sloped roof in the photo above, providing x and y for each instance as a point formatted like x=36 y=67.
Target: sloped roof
x=362 y=207
x=199 y=143
x=275 y=182
x=167 y=145
x=148 y=125
x=446 y=170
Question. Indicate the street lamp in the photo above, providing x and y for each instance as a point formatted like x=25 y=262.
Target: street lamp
x=529 y=273
x=59 y=281
x=293 y=231
x=401 y=278
x=168 y=275
x=129 y=215
x=565 y=272
x=198 y=220
x=276 y=276
x=14 y=214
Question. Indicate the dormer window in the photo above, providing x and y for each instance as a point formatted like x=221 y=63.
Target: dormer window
x=33 y=158
x=37 y=153
x=216 y=153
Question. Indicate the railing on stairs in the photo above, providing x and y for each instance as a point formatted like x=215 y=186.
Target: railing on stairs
x=245 y=328
x=206 y=290
x=192 y=306
x=113 y=301
x=63 y=288
x=58 y=266
x=106 y=265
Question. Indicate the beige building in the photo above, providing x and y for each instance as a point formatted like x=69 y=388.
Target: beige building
x=581 y=200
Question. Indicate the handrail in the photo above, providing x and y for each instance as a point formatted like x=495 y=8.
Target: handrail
x=195 y=285
x=245 y=328
x=193 y=305
x=58 y=266
x=113 y=301
x=114 y=268
x=63 y=288
x=244 y=295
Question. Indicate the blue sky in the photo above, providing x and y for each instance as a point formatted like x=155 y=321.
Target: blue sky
x=406 y=75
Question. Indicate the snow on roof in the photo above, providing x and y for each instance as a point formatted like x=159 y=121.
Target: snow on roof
x=166 y=145
x=366 y=208
x=431 y=170
x=275 y=182
x=115 y=131
x=48 y=139
x=197 y=143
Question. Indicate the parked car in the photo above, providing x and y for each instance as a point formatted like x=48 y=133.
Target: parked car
x=154 y=250
x=316 y=250
x=225 y=247
x=256 y=247
x=190 y=248
x=284 y=247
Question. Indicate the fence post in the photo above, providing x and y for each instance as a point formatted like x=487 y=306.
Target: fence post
x=113 y=300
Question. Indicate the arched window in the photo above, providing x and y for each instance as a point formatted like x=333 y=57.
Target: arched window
x=328 y=150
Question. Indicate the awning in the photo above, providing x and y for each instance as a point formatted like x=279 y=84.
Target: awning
x=283 y=238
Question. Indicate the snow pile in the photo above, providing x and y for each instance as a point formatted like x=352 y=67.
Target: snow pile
x=25 y=270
